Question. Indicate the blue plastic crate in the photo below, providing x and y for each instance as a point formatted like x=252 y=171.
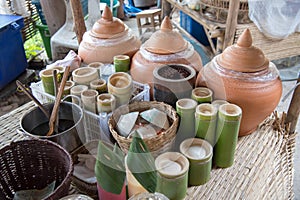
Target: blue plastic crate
x=13 y=60
x=193 y=28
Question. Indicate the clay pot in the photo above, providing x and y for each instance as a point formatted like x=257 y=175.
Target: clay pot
x=243 y=76
x=172 y=82
x=166 y=46
x=108 y=37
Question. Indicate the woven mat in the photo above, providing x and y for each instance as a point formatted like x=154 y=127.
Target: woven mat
x=263 y=167
x=273 y=49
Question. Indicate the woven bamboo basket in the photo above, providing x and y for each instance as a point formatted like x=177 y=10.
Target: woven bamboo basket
x=217 y=10
x=156 y=145
x=34 y=164
x=82 y=186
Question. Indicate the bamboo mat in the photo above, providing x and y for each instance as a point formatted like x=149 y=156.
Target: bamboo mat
x=263 y=167
x=272 y=48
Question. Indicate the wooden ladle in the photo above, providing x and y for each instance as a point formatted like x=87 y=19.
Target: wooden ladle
x=57 y=101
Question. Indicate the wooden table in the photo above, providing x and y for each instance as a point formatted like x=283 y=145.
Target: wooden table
x=263 y=167
x=228 y=33
x=212 y=29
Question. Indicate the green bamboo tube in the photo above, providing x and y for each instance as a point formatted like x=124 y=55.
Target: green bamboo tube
x=199 y=153
x=185 y=108
x=121 y=63
x=229 y=118
x=206 y=122
x=172 y=175
x=202 y=95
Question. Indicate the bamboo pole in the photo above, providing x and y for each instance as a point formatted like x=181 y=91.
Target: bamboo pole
x=78 y=17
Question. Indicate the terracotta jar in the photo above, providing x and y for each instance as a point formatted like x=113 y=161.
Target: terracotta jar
x=242 y=75
x=165 y=46
x=108 y=37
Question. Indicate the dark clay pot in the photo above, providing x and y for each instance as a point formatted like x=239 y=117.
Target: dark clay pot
x=173 y=82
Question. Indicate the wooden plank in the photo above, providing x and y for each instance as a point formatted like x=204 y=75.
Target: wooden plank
x=78 y=18
x=55 y=14
x=231 y=22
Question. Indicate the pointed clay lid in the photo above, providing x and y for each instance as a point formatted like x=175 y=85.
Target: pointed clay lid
x=243 y=57
x=107 y=26
x=165 y=40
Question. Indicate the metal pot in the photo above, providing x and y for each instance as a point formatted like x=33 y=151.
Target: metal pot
x=71 y=130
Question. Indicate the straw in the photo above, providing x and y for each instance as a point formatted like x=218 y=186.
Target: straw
x=57 y=101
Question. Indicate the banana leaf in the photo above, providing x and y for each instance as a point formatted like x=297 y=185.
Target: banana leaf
x=109 y=169
x=140 y=162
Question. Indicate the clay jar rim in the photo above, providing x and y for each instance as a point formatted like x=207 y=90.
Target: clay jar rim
x=175 y=157
x=202 y=92
x=95 y=65
x=47 y=72
x=98 y=82
x=84 y=75
x=191 y=71
x=79 y=88
x=106 y=98
x=112 y=80
x=230 y=111
x=186 y=144
x=69 y=85
x=59 y=68
x=83 y=72
x=186 y=104
x=89 y=93
x=206 y=111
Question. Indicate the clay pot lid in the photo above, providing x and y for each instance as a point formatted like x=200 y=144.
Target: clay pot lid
x=107 y=26
x=243 y=57
x=165 y=40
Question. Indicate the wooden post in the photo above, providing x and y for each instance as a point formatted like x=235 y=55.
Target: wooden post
x=166 y=8
x=120 y=13
x=55 y=14
x=294 y=108
x=231 y=22
x=78 y=17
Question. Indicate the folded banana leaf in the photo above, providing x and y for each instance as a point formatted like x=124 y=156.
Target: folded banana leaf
x=110 y=169
x=140 y=162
